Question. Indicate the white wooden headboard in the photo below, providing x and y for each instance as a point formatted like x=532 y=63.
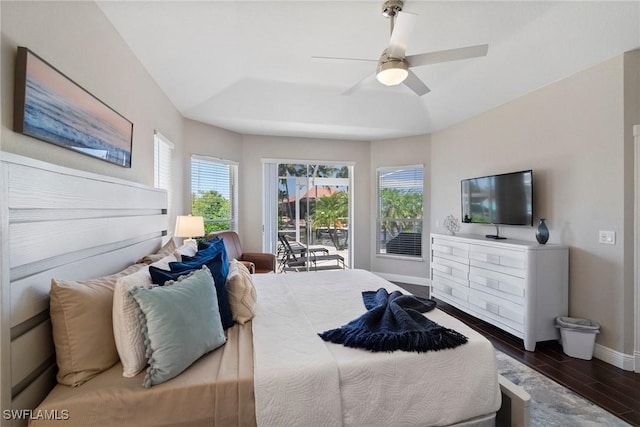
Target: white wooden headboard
x=62 y=223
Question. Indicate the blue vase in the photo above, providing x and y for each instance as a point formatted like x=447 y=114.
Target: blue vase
x=542 y=233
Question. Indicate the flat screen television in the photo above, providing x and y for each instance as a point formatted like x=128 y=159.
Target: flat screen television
x=499 y=199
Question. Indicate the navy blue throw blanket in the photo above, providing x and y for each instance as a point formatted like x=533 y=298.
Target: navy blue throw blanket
x=395 y=322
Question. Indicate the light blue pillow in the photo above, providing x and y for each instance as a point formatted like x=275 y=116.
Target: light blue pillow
x=180 y=323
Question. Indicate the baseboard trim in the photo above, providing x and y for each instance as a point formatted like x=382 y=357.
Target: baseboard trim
x=412 y=280
x=615 y=358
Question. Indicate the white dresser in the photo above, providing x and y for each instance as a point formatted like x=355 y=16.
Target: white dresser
x=518 y=286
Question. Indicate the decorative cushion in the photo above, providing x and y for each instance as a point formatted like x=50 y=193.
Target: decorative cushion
x=241 y=292
x=126 y=326
x=82 y=326
x=188 y=249
x=180 y=322
x=160 y=276
x=217 y=263
x=215 y=243
x=213 y=254
x=167 y=249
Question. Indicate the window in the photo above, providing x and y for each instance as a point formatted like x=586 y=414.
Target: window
x=161 y=161
x=162 y=148
x=399 y=224
x=213 y=192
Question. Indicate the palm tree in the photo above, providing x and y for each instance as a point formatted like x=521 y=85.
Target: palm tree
x=396 y=205
x=330 y=212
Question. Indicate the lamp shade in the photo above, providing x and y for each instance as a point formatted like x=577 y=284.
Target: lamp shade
x=189 y=226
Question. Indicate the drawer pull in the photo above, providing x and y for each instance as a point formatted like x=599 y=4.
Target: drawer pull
x=493 y=283
x=493 y=259
x=493 y=308
x=445 y=249
x=442 y=268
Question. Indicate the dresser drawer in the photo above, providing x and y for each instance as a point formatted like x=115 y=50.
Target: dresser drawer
x=449 y=290
x=504 y=260
x=496 y=283
x=496 y=308
x=450 y=268
x=454 y=251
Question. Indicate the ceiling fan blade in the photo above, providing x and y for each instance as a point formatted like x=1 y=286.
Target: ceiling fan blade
x=333 y=58
x=414 y=83
x=358 y=85
x=400 y=36
x=447 y=55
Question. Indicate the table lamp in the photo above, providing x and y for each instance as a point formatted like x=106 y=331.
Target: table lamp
x=189 y=226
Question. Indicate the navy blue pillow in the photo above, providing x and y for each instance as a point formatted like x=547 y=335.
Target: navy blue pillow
x=204 y=244
x=219 y=270
x=207 y=250
x=210 y=248
x=159 y=276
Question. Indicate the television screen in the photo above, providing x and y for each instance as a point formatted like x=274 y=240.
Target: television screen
x=499 y=199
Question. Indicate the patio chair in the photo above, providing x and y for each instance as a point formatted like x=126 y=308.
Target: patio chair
x=302 y=256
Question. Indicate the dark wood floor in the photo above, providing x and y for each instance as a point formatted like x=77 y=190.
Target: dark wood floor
x=611 y=388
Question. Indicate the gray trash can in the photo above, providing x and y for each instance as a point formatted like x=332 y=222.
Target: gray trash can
x=578 y=336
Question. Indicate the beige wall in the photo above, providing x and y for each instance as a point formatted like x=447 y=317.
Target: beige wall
x=401 y=152
x=77 y=39
x=572 y=135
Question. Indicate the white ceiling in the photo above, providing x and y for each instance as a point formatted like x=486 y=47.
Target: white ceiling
x=247 y=67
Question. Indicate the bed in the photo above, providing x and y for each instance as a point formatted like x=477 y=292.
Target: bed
x=272 y=371
x=296 y=378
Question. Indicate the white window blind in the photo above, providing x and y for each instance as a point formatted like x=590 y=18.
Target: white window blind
x=399 y=223
x=214 y=192
x=162 y=148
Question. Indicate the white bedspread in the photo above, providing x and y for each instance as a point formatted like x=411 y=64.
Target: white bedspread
x=301 y=380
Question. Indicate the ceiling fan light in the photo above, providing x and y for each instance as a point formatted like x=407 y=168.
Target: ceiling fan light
x=392 y=73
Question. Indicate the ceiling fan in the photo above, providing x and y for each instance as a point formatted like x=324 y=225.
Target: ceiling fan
x=394 y=67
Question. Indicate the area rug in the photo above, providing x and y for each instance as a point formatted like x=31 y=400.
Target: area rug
x=551 y=403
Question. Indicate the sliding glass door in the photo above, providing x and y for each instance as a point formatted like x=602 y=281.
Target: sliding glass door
x=313 y=214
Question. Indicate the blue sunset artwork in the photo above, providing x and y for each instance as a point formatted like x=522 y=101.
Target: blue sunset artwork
x=61 y=112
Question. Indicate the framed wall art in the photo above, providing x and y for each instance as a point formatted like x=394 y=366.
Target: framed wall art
x=51 y=107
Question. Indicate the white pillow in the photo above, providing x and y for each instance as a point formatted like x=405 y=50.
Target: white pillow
x=127 y=332
x=241 y=292
x=188 y=249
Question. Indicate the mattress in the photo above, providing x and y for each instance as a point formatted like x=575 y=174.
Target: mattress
x=216 y=390
x=301 y=380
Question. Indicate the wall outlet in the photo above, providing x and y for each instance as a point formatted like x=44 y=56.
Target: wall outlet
x=607 y=237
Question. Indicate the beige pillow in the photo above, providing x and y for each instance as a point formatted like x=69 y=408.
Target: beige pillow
x=167 y=249
x=82 y=326
x=242 y=293
x=127 y=331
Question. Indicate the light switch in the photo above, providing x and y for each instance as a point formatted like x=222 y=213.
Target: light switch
x=607 y=237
